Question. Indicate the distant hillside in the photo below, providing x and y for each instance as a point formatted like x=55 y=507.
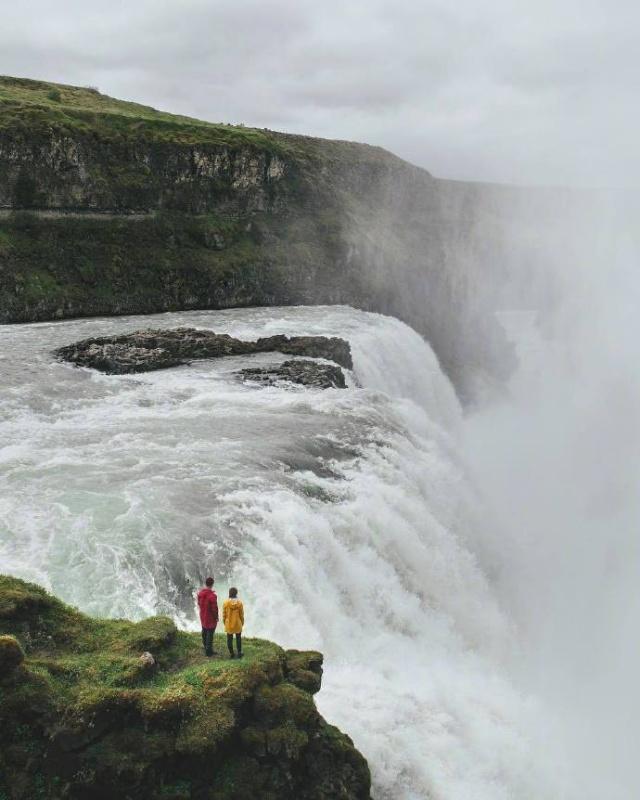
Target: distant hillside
x=109 y=207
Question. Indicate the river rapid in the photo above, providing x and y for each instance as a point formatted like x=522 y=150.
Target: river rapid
x=346 y=518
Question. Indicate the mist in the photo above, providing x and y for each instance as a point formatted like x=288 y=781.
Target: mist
x=546 y=282
x=557 y=460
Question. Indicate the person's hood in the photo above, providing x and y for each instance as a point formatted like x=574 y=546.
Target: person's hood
x=206 y=590
x=234 y=601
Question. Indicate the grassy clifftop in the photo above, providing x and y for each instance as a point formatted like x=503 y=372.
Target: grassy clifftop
x=110 y=207
x=38 y=107
x=84 y=714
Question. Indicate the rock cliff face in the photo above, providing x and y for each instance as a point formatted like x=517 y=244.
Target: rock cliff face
x=103 y=709
x=109 y=207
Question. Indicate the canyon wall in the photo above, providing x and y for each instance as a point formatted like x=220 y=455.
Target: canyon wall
x=108 y=207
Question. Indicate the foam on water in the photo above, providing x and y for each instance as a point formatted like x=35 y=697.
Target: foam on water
x=345 y=518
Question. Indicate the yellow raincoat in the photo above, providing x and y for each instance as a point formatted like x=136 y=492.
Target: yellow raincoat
x=233 y=615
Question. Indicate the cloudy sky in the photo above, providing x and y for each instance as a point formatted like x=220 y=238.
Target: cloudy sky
x=543 y=91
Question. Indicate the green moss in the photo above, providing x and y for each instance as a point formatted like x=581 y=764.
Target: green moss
x=276 y=704
x=85 y=705
x=178 y=790
x=151 y=634
x=5 y=242
x=304 y=669
x=61 y=267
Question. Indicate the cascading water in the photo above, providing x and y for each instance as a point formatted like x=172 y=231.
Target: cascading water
x=344 y=517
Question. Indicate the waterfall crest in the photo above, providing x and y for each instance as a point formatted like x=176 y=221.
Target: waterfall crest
x=344 y=517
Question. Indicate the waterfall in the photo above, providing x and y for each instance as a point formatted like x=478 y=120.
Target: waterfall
x=345 y=518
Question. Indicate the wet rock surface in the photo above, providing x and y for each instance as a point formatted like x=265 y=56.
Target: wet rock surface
x=302 y=372
x=144 y=351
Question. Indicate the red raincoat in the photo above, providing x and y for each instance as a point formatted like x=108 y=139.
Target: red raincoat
x=208 y=605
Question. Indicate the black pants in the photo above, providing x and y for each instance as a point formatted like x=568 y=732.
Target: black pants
x=207 y=640
x=238 y=643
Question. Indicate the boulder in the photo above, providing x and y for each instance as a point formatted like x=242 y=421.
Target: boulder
x=302 y=372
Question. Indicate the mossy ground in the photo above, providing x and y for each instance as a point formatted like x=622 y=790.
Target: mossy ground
x=83 y=716
x=39 y=105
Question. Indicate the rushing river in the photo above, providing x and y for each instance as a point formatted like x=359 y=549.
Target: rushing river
x=344 y=517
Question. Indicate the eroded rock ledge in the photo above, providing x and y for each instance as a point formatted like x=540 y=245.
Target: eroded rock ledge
x=148 y=350
x=101 y=709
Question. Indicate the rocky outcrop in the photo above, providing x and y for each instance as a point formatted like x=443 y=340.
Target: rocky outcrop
x=98 y=709
x=148 y=350
x=305 y=373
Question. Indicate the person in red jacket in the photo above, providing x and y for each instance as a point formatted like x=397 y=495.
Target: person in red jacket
x=208 y=605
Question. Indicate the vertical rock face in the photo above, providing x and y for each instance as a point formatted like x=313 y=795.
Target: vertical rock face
x=107 y=207
x=64 y=173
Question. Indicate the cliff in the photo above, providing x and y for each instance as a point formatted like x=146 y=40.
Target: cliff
x=108 y=207
x=100 y=709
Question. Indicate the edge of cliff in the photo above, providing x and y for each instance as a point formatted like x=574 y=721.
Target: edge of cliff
x=97 y=708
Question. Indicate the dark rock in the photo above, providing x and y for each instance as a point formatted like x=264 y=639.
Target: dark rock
x=331 y=348
x=303 y=668
x=11 y=655
x=305 y=373
x=148 y=350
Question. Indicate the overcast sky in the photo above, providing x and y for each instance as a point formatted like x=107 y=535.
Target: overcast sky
x=544 y=91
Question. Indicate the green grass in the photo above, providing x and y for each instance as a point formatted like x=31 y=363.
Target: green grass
x=37 y=107
x=80 y=711
x=85 y=265
x=85 y=657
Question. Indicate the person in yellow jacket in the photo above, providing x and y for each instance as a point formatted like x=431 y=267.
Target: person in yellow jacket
x=233 y=618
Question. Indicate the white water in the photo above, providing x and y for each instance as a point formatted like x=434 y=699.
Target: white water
x=559 y=462
x=344 y=517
